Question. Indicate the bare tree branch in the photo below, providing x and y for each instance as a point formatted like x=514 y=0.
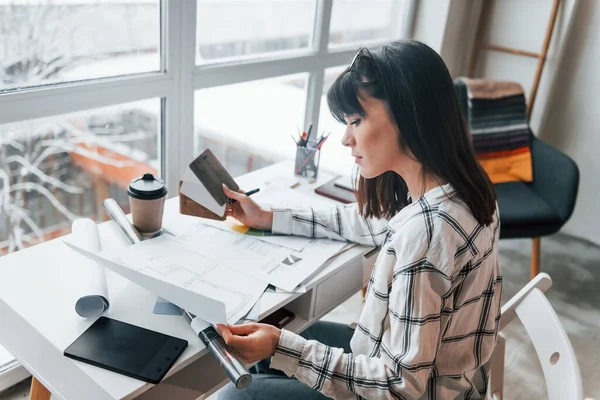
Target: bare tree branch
x=32 y=225
x=15 y=144
x=46 y=193
x=43 y=177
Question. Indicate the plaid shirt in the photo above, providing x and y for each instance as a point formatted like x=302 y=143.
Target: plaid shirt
x=430 y=319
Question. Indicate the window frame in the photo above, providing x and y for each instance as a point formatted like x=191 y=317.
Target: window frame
x=177 y=80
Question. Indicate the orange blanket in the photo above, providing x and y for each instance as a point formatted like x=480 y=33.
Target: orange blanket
x=508 y=168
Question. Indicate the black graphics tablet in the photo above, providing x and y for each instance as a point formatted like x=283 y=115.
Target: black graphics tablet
x=127 y=349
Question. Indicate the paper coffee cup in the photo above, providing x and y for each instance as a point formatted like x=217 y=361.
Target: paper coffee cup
x=147 y=199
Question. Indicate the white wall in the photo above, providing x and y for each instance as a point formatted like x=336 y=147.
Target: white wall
x=431 y=17
x=511 y=23
x=566 y=113
x=573 y=118
x=567 y=109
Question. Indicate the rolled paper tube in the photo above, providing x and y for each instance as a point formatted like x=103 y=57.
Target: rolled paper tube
x=90 y=277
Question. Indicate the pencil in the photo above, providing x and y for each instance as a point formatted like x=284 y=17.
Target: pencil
x=248 y=193
x=251 y=192
x=308 y=134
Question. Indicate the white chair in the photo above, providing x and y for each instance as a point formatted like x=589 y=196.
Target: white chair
x=552 y=345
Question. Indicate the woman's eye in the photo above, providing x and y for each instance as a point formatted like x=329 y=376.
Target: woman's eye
x=355 y=122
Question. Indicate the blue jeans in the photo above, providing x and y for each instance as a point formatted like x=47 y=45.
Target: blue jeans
x=272 y=384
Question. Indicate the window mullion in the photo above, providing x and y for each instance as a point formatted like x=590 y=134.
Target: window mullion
x=178 y=135
x=316 y=77
x=78 y=96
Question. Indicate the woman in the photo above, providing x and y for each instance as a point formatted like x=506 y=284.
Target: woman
x=430 y=318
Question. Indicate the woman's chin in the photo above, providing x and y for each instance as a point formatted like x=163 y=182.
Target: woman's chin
x=370 y=173
x=366 y=173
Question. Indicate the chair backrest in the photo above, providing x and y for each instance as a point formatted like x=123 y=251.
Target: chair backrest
x=551 y=343
x=553 y=347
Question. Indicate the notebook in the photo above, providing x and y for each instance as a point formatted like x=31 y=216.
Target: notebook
x=333 y=191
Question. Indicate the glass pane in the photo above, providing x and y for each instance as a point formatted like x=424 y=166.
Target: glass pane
x=334 y=156
x=355 y=21
x=248 y=125
x=63 y=167
x=236 y=28
x=44 y=42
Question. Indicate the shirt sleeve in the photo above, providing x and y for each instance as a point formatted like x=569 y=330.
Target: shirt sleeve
x=407 y=351
x=341 y=222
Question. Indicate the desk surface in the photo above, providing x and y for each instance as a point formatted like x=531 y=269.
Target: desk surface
x=38 y=320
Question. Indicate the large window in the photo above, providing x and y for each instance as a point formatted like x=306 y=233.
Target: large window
x=96 y=92
x=59 y=168
x=356 y=21
x=43 y=42
x=259 y=27
x=261 y=114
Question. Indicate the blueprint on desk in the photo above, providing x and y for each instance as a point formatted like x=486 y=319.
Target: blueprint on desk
x=174 y=269
x=271 y=263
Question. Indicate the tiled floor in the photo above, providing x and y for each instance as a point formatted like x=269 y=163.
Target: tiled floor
x=574 y=266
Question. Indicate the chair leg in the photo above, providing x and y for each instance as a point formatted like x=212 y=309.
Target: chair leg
x=536 y=245
x=38 y=391
x=496 y=384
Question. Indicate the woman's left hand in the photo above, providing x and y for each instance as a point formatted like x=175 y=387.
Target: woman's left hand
x=252 y=342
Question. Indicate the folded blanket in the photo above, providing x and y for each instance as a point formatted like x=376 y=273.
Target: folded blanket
x=486 y=89
x=497 y=118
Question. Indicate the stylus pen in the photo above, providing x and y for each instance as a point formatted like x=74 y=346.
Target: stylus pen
x=248 y=193
x=118 y=216
x=235 y=370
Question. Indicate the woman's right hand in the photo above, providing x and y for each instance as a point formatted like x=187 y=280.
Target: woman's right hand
x=245 y=210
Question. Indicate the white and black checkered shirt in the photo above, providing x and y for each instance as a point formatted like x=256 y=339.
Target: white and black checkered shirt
x=430 y=319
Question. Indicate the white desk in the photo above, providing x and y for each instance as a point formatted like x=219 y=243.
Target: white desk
x=38 y=319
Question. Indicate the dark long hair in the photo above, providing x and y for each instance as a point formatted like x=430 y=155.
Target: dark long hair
x=414 y=83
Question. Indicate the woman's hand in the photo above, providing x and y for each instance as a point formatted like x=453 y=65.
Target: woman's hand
x=252 y=342
x=247 y=211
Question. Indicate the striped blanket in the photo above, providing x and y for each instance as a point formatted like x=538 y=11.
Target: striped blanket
x=496 y=113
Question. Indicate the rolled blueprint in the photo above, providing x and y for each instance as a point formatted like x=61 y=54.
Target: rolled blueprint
x=90 y=277
x=118 y=216
x=208 y=335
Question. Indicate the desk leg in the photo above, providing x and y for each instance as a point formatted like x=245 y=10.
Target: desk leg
x=38 y=391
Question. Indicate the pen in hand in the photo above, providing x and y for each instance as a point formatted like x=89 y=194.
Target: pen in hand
x=248 y=193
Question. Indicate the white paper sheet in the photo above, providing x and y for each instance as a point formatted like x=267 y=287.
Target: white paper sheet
x=279 y=266
x=243 y=253
x=297 y=243
x=253 y=314
x=92 y=298
x=279 y=197
x=181 y=274
x=303 y=265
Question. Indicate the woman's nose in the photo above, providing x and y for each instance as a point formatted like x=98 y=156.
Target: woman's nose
x=347 y=138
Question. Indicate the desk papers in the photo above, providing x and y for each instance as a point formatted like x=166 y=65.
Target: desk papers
x=273 y=197
x=280 y=266
x=174 y=270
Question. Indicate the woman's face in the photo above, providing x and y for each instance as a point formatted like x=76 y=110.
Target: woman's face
x=373 y=139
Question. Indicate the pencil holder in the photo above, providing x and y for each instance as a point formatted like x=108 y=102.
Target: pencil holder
x=307 y=161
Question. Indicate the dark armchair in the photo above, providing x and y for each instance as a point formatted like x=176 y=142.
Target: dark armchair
x=542 y=207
